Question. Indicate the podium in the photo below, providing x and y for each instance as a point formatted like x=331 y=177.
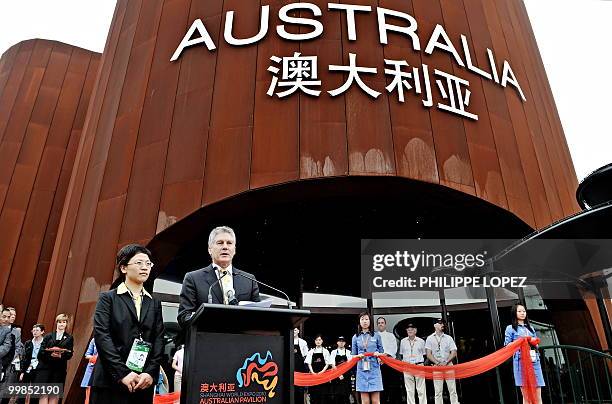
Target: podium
x=239 y=354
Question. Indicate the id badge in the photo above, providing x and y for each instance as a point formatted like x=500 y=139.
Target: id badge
x=438 y=355
x=412 y=359
x=366 y=365
x=138 y=355
x=534 y=355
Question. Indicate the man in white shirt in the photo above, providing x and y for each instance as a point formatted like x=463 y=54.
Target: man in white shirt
x=341 y=351
x=390 y=377
x=340 y=387
x=300 y=342
x=441 y=350
x=412 y=349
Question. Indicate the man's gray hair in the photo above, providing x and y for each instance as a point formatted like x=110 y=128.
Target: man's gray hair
x=218 y=230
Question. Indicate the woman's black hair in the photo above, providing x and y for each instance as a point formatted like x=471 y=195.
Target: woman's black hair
x=371 y=329
x=319 y=335
x=515 y=320
x=124 y=256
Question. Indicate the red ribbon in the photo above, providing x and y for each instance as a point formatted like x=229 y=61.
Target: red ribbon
x=527 y=371
x=460 y=371
x=310 y=379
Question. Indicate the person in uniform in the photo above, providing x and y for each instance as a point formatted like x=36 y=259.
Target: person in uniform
x=390 y=378
x=341 y=387
x=318 y=360
x=300 y=350
x=412 y=350
x=520 y=327
x=368 y=381
x=441 y=350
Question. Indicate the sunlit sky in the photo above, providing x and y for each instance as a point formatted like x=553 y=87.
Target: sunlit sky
x=573 y=37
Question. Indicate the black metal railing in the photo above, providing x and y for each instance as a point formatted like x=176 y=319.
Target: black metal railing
x=576 y=375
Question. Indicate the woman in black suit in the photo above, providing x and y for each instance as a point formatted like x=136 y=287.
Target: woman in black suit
x=55 y=351
x=128 y=316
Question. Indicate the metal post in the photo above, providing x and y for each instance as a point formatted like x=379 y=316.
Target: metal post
x=605 y=316
x=498 y=338
x=444 y=313
x=521 y=296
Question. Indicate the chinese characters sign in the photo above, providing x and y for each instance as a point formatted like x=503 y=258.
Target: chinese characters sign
x=299 y=73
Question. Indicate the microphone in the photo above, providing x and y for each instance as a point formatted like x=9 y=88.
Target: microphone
x=231 y=297
x=268 y=286
x=211 y=286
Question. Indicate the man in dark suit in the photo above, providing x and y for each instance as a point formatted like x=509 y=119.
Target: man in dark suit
x=233 y=283
x=7 y=342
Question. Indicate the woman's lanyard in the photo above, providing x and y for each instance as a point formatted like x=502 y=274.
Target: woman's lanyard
x=364 y=344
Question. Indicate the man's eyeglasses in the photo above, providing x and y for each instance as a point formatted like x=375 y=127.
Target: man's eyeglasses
x=147 y=264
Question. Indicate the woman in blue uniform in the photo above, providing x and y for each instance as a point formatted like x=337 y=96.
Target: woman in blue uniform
x=369 y=379
x=520 y=327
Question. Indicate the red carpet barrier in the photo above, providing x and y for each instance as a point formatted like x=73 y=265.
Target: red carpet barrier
x=460 y=371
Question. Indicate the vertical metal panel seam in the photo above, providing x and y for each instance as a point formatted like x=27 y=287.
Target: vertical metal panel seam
x=92 y=120
x=114 y=118
x=212 y=103
x=531 y=204
x=60 y=173
x=253 y=110
x=486 y=103
x=27 y=206
x=18 y=87
x=532 y=90
x=163 y=173
x=7 y=58
x=465 y=135
x=4 y=282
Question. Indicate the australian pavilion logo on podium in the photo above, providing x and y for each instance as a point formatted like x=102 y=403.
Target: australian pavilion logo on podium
x=263 y=371
x=256 y=382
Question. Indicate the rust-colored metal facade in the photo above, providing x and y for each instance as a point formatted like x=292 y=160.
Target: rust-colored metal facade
x=161 y=139
x=45 y=87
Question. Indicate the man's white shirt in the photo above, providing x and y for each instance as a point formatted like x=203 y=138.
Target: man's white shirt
x=227 y=282
x=412 y=350
x=326 y=355
x=339 y=352
x=303 y=346
x=389 y=342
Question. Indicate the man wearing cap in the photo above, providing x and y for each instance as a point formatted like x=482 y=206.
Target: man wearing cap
x=412 y=349
x=390 y=378
x=441 y=350
x=341 y=387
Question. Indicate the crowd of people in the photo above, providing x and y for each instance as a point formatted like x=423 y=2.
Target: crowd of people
x=373 y=382
x=126 y=352
x=41 y=359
